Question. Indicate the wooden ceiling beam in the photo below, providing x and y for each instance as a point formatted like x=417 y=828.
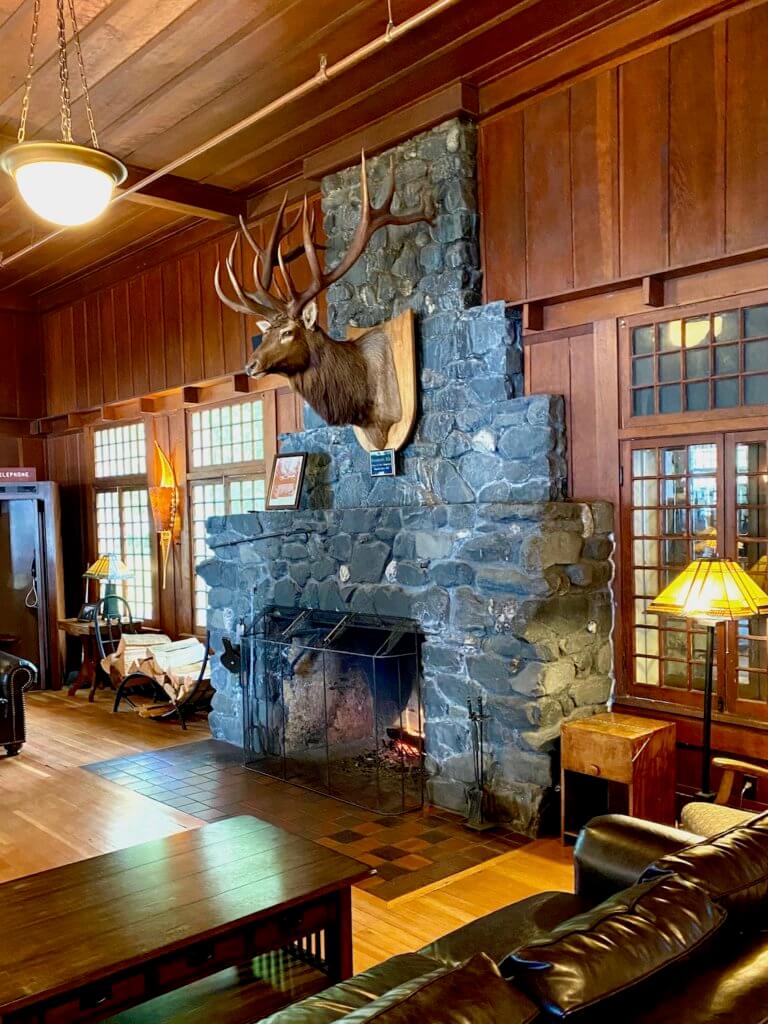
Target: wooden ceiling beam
x=184 y=196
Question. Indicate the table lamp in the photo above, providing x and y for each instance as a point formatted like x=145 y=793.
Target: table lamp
x=711 y=590
x=111 y=570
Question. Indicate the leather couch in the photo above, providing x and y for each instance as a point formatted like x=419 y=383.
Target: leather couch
x=725 y=981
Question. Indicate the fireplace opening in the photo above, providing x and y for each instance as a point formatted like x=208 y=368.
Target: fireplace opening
x=332 y=702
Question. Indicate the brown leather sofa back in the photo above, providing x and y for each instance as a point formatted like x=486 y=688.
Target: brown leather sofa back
x=619 y=944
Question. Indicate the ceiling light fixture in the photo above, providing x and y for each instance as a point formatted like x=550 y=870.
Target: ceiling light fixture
x=62 y=182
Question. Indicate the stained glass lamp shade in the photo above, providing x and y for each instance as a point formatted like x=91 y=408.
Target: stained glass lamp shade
x=711 y=590
x=110 y=569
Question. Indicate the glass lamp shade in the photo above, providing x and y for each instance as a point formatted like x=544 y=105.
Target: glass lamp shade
x=109 y=567
x=712 y=590
x=61 y=182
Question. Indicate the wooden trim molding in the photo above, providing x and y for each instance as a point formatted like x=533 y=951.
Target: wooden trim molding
x=232 y=387
x=455 y=100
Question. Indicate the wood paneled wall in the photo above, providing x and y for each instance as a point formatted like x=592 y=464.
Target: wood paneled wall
x=656 y=163
x=161 y=328
x=21 y=392
x=582 y=365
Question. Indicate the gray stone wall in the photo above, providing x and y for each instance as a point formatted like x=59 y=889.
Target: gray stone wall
x=424 y=267
x=513 y=600
x=473 y=440
x=474 y=538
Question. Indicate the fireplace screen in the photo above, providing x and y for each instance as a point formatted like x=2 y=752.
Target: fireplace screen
x=332 y=702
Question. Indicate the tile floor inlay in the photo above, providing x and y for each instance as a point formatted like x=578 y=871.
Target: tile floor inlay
x=207 y=780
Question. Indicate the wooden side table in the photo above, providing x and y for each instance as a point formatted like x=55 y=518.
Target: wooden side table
x=620 y=763
x=88 y=673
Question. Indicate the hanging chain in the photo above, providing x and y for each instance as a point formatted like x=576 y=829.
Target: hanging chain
x=83 y=79
x=30 y=71
x=66 y=101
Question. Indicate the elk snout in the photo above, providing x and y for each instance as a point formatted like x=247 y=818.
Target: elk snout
x=254 y=368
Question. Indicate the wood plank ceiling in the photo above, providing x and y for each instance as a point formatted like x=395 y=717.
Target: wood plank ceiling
x=166 y=76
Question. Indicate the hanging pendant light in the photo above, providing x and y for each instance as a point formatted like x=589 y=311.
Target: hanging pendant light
x=62 y=182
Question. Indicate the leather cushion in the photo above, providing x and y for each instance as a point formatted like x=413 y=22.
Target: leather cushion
x=732 y=867
x=616 y=945
x=471 y=993
x=335 y=1003
x=516 y=925
x=727 y=983
x=613 y=851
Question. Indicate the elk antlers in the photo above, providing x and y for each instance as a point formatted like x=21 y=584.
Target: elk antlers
x=288 y=302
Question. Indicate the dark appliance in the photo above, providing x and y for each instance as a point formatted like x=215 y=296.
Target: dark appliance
x=16 y=677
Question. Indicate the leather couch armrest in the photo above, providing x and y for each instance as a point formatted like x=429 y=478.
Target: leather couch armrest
x=612 y=852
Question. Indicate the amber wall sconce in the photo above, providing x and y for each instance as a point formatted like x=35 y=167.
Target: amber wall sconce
x=166 y=510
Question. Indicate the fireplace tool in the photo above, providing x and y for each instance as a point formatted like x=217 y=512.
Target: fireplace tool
x=477 y=796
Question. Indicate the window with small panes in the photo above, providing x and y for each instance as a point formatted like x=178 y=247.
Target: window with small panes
x=227 y=476
x=123 y=520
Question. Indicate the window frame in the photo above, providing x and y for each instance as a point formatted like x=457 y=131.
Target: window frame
x=241 y=469
x=698 y=419
x=667 y=695
x=729 y=705
x=118 y=484
x=226 y=473
x=226 y=482
x=733 y=702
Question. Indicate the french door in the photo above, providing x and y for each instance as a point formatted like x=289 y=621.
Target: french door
x=684 y=497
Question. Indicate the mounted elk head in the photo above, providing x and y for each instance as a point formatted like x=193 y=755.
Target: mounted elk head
x=345 y=382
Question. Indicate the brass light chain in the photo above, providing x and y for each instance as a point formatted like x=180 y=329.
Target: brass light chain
x=30 y=71
x=66 y=99
x=66 y=102
x=83 y=79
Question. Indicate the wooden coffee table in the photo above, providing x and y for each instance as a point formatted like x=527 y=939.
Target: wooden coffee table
x=83 y=941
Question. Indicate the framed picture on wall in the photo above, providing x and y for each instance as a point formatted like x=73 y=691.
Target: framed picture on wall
x=284 y=489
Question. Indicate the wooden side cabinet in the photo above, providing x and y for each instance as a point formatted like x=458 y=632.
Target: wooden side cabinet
x=618 y=764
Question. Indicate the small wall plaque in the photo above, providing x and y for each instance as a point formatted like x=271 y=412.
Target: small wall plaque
x=383 y=462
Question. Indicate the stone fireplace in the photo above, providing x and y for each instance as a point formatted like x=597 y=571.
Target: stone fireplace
x=508 y=581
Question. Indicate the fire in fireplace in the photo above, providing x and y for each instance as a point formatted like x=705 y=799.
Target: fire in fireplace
x=332 y=702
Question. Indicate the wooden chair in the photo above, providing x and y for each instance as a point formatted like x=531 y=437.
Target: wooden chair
x=167 y=706
x=705 y=819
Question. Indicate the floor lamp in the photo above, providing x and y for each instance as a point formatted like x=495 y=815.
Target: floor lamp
x=711 y=590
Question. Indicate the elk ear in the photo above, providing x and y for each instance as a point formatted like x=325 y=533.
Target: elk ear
x=264 y=325
x=309 y=315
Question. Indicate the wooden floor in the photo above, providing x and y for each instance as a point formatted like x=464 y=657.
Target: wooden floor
x=52 y=812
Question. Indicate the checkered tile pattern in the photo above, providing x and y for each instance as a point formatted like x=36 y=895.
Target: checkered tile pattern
x=411 y=851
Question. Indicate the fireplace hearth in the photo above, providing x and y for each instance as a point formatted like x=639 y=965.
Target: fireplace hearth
x=332 y=702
